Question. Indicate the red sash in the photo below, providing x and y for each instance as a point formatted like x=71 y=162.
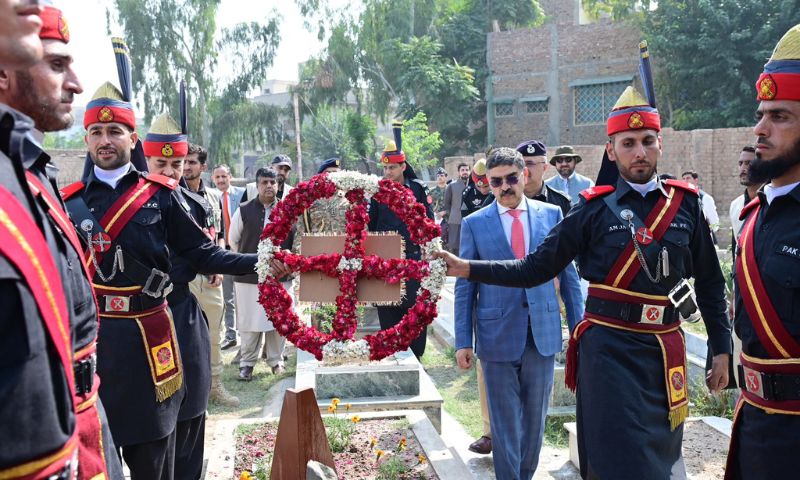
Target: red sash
x=669 y=337
x=766 y=322
x=121 y=212
x=627 y=265
x=91 y=457
x=24 y=246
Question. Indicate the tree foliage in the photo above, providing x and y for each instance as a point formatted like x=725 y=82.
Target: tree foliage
x=401 y=57
x=172 y=40
x=707 y=54
x=419 y=143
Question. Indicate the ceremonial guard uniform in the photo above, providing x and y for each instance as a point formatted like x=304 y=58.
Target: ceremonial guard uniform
x=382 y=219
x=473 y=199
x=636 y=246
x=96 y=455
x=766 y=431
x=132 y=222
x=38 y=431
x=167 y=141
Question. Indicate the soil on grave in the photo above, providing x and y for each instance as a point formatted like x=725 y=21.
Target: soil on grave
x=358 y=462
x=704 y=451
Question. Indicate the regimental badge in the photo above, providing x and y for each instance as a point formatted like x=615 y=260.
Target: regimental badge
x=644 y=236
x=163 y=358
x=385 y=159
x=677 y=383
x=652 y=314
x=635 y=120
x=63 y=29
x=105 y=115
x=101 y=242
x=167 y=150
x=752 y=381
x=531 y=149
x=767 y=88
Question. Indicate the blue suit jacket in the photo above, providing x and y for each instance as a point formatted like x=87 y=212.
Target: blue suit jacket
x=501 y=319
x=576 y=184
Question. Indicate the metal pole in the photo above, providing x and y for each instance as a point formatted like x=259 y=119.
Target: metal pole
x=296 y=103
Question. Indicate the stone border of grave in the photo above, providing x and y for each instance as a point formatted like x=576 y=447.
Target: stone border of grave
x=722 y=425
x=221 y=449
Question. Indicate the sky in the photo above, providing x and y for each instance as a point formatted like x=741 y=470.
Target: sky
x=94 y=58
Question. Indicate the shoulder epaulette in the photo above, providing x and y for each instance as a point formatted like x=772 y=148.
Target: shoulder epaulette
x=421 y=183
x=597 y=191
x=746 y=210
x=683 y=185
x=170 y=183
x=71 y=190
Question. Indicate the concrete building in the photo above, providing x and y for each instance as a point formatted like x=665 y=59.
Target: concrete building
x=557 y=82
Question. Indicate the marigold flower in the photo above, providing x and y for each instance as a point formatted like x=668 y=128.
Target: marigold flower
x=373 y=441
x=331 y=408
x=422 y=458
x=348 y=406
x=402 y=444
x=245 y=476
x=335 y=402
x=355 y=419
x=378 y=454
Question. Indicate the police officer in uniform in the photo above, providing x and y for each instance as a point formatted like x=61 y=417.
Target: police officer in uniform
x=40 y=92
x=766 y=429
x=382 y=219
x=132 y=222
x=477 y=194
x=636 y=242
x=535 y=154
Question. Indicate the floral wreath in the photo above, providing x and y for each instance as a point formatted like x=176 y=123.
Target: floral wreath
x=350 y=266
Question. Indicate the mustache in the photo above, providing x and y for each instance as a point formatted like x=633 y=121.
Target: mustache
x=507 y=192
x=763 y=141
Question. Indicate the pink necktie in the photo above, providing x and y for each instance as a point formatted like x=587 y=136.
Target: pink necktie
x=517 y=235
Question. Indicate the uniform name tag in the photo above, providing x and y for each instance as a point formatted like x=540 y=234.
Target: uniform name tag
x=117 y=303
x=789 y=250
x=652 y=314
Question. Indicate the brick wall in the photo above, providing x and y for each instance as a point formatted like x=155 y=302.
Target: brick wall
x=545 y=61
x=713 y=154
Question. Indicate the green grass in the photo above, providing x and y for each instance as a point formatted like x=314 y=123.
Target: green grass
x=555 y=435
x=703 y=404
x=391 y=469
x=252 y=395
x=339 y=431
x=459 y=388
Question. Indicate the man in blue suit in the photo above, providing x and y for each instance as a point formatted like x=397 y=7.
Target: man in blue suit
x=517 y=331
x=230 y=197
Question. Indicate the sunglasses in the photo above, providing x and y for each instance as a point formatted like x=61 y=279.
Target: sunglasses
x=511 y=179
x=564 y=159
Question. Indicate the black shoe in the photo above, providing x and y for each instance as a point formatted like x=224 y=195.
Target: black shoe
x=245 y=374
x=228 y=344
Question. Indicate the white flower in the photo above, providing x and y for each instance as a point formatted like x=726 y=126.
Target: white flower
x=339 y=352
x=435 y=279
x=349 y=180
x=349 y=264
x=266 y=251
x=431 y=247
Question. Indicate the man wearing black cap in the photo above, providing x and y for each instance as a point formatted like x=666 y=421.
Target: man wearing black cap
x=535 y=155
x=282 y=165
x=568 y=181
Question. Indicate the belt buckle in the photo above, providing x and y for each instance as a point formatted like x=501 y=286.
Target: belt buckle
x=753 y=381
x=159 y=290
x=117 y=303
x=652 y=314
x=680 y=292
